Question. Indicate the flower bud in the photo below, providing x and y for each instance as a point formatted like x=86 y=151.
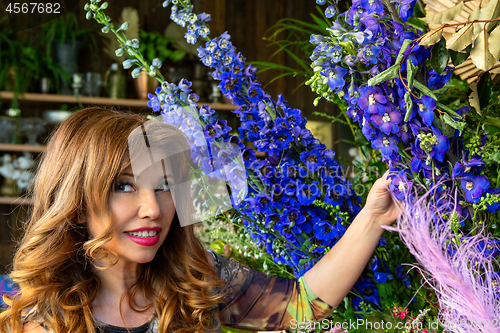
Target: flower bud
x=86 y=7
x=152 y=71
x=136 y=72
x=133 y=43
x=124 y=26
x=103 y=6
x=128 y=63
x=119 y=52
x=105 y=29
x=88 y=16
x=157 y=63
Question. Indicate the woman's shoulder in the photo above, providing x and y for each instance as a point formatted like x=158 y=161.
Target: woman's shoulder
x=32 y=327
x=210 y=258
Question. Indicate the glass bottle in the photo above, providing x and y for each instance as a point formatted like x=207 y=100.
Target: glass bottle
x=116 y=82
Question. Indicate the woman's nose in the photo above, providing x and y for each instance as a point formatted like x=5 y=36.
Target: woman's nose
x=149 y=206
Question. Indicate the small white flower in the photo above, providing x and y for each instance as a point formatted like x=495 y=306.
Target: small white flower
x=6 y=158
x=16 y=174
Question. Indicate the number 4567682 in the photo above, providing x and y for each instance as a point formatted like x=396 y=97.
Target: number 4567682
x=34 y=7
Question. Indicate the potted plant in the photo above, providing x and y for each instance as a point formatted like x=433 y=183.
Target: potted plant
x=64 y=38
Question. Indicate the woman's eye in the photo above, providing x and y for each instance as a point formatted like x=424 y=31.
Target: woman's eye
x=163 y=187
x=124 y=187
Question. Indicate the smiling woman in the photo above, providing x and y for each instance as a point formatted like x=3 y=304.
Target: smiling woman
x=88 y=208
x=110 y=245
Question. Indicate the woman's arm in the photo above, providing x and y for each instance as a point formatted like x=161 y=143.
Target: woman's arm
x=335 y=274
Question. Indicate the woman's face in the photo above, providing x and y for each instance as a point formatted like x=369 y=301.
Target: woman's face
x=141 y=217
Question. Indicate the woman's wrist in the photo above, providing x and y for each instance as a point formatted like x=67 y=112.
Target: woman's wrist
x=371 y=221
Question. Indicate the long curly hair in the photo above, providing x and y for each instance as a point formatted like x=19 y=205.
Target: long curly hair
x=53 y=262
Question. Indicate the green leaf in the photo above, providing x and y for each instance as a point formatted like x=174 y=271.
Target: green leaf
x=439 y=56
x=484 y=87
x=424 y=89
x=448 y=110
x=411 y=71
x=389 y=74
x=459 y=125
x=458 y=57
x=389 y=289
x=409 y=106
x=493 y=121
x=419 y=24
x=381 y=291
x=393 y=71
x=405 y=45
x=443 y=127
x=302 y=262
x=492 y=129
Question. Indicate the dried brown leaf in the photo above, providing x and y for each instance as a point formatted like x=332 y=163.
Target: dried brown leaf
x=461 y=39
x=432 y=37
x=474 y=97
x=480 y=53
x=445 y=16
x=494 y=43
x=490 y=11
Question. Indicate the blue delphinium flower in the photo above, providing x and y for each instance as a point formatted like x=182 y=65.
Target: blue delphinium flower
x=372 y=101
x=460 y=169
x=474 y=186
x=426 y=106
x=388 y=122
x=400 y=185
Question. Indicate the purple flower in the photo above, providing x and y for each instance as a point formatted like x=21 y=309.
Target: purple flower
x=372 y=6
x=370 y=54
x=387 y=144
x=440 y=149
x=381 y=277
x=388 y=122
x=400 y=185
x=324 y=231
x=474 y=186
x=495 y=206
x=307 y=193
x=437 y=80
x=372 y=101
x=154 y=102
x=490 y=248
x=426 y=107
x=312 y=159
x=336 y=78
x=461 y=169
x=405 y=9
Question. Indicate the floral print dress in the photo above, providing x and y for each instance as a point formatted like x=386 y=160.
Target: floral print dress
x=254 y=301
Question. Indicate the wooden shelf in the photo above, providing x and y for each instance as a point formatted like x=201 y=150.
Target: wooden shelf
x=11 y=147
x=14 y=201
x=52 y=98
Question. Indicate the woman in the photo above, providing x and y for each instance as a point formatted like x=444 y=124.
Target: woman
x=104 y=250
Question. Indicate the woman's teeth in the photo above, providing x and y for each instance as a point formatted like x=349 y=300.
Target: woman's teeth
x=143 y=234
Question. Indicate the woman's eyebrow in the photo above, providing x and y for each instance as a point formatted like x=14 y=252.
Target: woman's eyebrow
x=128 y=174
x=131 y=175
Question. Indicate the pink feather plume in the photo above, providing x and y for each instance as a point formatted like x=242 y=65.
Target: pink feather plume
x=463 y=281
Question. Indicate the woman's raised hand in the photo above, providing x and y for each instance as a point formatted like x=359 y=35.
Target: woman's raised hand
x=380 y=203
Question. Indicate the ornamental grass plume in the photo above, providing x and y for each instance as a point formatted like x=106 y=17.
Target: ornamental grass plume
x=457 y=268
